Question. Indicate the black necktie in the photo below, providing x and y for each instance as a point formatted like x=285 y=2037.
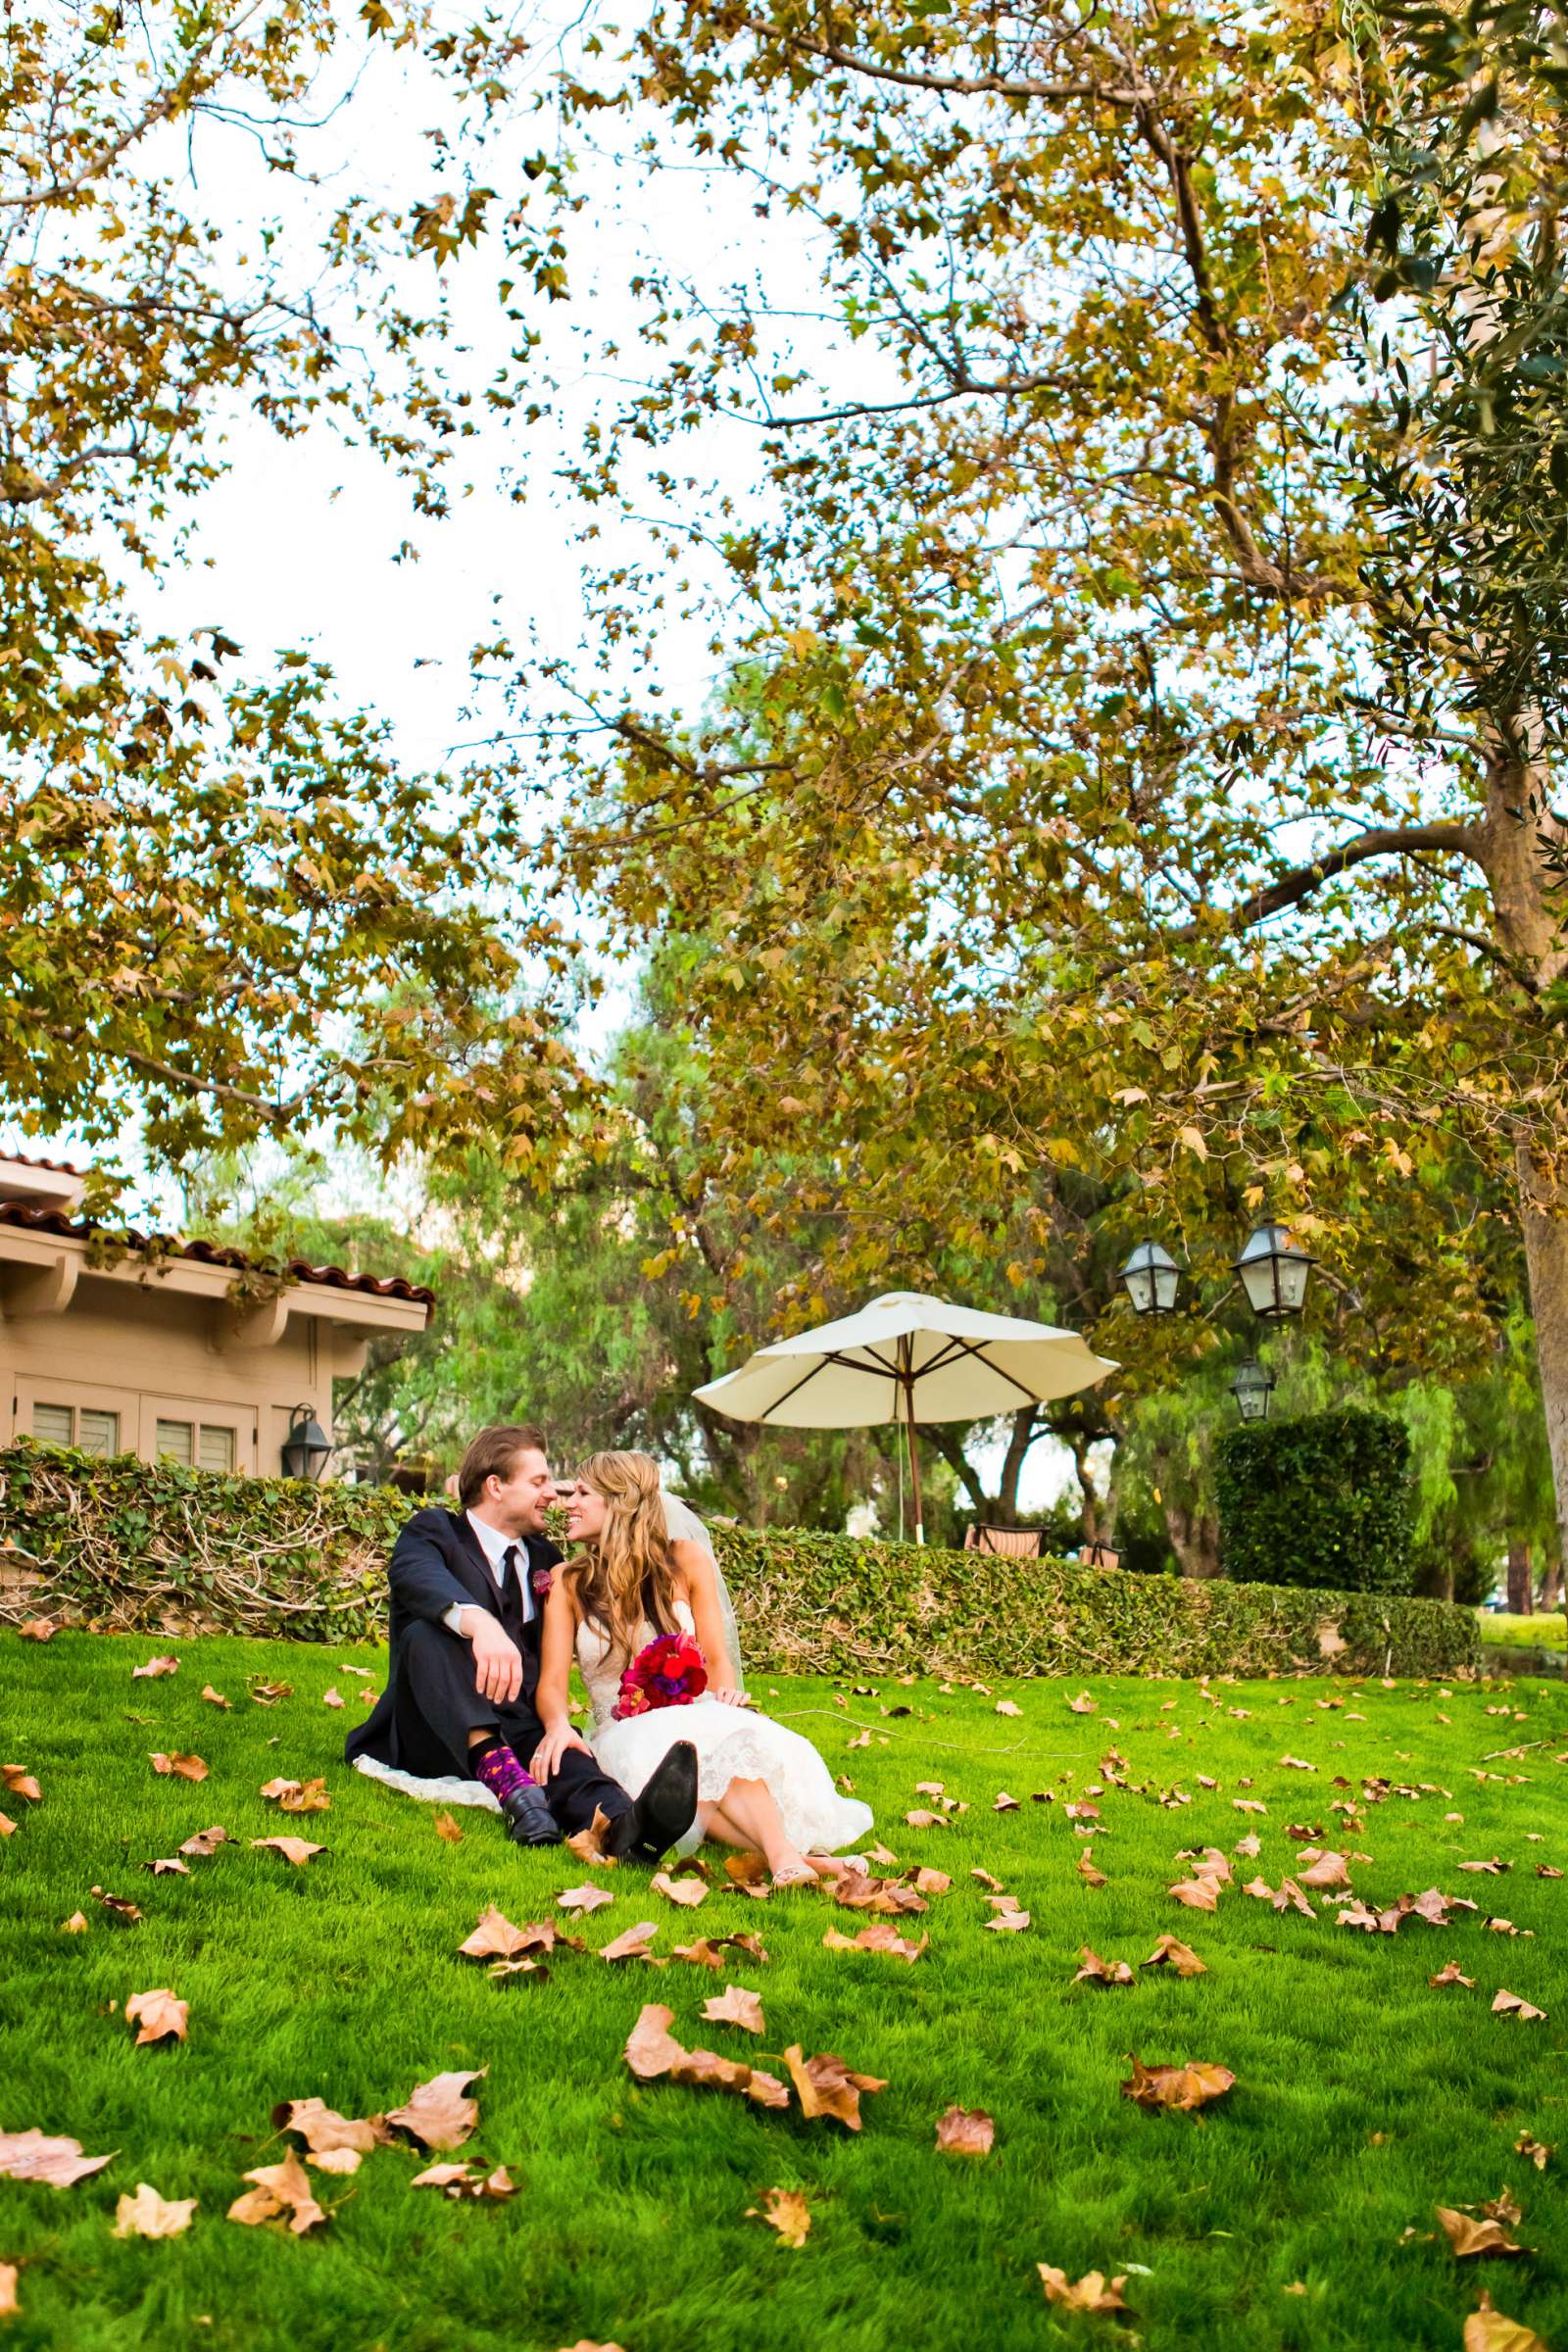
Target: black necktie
x=514 y=1608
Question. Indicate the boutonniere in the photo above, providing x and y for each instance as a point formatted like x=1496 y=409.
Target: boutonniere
x=541 y=1579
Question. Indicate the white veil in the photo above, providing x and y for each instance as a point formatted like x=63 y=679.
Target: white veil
x=682 y=1526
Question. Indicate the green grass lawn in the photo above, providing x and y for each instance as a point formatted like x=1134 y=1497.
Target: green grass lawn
x=1546 y=1631
x=1295 y=2211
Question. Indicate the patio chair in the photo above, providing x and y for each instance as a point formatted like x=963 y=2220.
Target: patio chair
x=1022 y=1543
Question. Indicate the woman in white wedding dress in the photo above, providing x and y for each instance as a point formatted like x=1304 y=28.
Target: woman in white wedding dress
x=758 y=1786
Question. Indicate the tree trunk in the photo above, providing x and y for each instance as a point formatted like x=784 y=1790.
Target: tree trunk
x=1547 y=1261
x=1019 y=1440
x=1550 y=1595
x=1099 y=1519
x=1193 y=1539
x=1521 y=1583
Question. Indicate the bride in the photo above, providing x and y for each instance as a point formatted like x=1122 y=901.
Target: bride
x=758 y=1785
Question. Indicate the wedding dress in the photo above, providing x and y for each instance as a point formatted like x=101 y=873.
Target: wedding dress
x=732 y=1743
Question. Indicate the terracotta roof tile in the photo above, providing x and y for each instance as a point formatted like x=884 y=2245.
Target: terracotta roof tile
x=54 y=1167
x=213 y=1253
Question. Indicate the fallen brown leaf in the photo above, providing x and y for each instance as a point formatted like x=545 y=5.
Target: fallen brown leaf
x=19 y=1781
x=1095 y=1971
x=1001 y=1802
x=58 y=2163
x=187 y=1768
x=584 y=1898
x=920 y=1820
x=589 y=1844
x=169 y=1866
x=1198 y=1894
x=297 y=1850
x=965 y=2131
x=1180 y=2087
x=748 y=1872
x=439 y=2112
x=1091 y=2292
x=1006 y=1706
x=153 y=1669
x=466 y=2182
x=1083 y=1704
x=9 y=2273
x=1171 y=1953
x=709 y=1950
x=7 y=1828
x=1511 y=2001
x=148 y=2215
x=1248 y=1847
x=1448 y=1973
x=1467 y=2236
x=633 y=1944
x=216 y=1699
x=928 y=1882
x=786 y=2211
x=325 y=2133
x=688 y=1892
x=1008 y=1923
x=268 y=1694
x=1493 y=1869
x=37 y=1629
x=158 y=2013
x=857 y=1890
x=735 y=2006
x=75 y=1925
x=1535 y=2152
x=1088 y=1873
x=1289 y=1897
x=880 y=1937
x=1487 y=2331
x=1329 y=1870
x=445 y=1826
x=206 y=1842
x=986 y=1879
x=280 y=2187
x=116 y=1906
x=331 y=1699
x=651 y=2051
x=496 y=1939
x=827 y=2086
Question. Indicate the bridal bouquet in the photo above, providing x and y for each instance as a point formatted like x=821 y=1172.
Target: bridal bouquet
x=670 y=1673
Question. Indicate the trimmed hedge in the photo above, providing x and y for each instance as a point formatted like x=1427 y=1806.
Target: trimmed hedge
x=1321 y=1500
x=119 y=1546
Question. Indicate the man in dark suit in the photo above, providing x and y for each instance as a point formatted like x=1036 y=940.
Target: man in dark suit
x=468 y=1593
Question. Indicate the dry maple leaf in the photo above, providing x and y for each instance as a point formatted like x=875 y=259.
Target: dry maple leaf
x=709 y=1950
x=1004 y=1706
x=331 y=1699
x=153 y=1669
x=279 y=2186
x=920 y=1820
x=148 y=2215
x=1329 y=1870
x=965 y=2131
x=1503 y=2208
x=735 y=2006
x=1198 y=1894
x=268 y=1694
x=75 y=1925
x=584 y=1898
x=1008 y=1923
x=1090 y=1876
x=881 y=1857
x=167 y=1866
x=466 y=2180
x=37 y=1629
x=1091 y=2292
x=1289 y=1897
x=749 y=1873
x=1467 y=2236
x=206 y=1842
x=1083 y=1704
x=116 y=1906
x=7 y=1828
x=1296 y=1764
x=1095 y=1971
x=827 y=2086
x=1506 y=2002
x=589 y=1844
x=688 y=1892
x=858 y=1890
x=304 y=1796
x=1248 y=1805
x=187 y=1768
x=9 y=2274
x=1001 y=1802
x=446 y=1828
x=326 y=2133
x=1248 y=1848
x=633 y=1944
x=439 y=2112
x=58 y=2163
x=216 y=1699
x=786 y=2211
x=986 y=1879
x=928 y=1882
x=1171 y=1952
x=1487 y=2329
x=651 y=2051
x=19 y=1781
x=496 y=1939
x=880 y=1937
x=1179 y=2087
x=159 y=2016
x=1448 y=1973
x=297 y=1850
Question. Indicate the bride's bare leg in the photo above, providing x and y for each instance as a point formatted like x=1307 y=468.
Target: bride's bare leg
x=750 y=1818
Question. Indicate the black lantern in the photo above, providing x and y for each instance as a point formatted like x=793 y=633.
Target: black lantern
x=306 y=1448
x=1273 y=1272
x=1251 y=1389
x=1151 y=1276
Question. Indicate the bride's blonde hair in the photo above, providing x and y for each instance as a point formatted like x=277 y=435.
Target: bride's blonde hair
x=626 y=1574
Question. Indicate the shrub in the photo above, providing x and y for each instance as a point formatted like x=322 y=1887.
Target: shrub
x=1321 y=1500
x=122 y=1547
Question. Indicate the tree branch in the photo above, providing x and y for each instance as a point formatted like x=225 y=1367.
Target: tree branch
x=952 y=85
x=1379 y=841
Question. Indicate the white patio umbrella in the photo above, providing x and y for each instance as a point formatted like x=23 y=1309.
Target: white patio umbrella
x=907 y=1358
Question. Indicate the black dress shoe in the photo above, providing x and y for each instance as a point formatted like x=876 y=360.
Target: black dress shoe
x=528 y=1819
x=665 y=1809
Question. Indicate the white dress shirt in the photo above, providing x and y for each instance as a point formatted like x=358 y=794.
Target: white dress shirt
x=495 y=1544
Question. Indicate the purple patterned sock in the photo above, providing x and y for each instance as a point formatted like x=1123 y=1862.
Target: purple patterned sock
x=498 y=1767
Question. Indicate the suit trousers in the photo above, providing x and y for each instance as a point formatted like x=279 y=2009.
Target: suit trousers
x=440 y=1703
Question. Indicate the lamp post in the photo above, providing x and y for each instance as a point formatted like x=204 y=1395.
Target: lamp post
x=306 y=1448
x=1152 y=1278
x=1251 y=1388
x=1273 y=1272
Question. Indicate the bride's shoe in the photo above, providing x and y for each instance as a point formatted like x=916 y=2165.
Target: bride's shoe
x=795 y=1874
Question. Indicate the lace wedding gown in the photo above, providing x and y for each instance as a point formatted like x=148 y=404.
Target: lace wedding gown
x=732 y=1743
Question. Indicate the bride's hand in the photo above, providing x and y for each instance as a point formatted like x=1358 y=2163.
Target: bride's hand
x=546 y=1758
x=731 y=1699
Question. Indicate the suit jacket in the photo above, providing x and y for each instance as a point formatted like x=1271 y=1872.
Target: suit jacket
x=438 y=1560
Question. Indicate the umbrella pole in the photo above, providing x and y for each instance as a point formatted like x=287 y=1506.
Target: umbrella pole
x=914 y=1461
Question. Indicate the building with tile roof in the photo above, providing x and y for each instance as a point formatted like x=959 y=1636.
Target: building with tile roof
x=147 y=1344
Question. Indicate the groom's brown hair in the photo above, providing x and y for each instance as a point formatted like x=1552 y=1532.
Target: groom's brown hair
x=493 y=1453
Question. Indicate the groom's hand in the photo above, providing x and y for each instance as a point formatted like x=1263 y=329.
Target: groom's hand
x=497 y=1659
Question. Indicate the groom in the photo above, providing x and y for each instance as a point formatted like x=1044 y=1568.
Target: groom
x=468 y=1593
